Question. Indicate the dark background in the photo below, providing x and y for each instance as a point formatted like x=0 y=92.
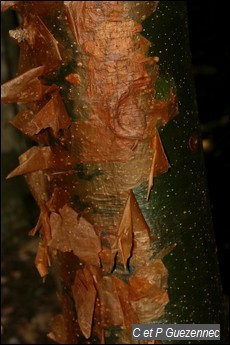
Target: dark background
x=209 y=41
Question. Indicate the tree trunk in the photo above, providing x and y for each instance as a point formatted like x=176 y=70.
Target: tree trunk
x=118 y=174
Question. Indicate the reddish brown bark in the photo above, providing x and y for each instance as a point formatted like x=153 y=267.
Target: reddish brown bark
x=116 y=142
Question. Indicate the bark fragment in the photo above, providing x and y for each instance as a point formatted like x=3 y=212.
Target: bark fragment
x=23 y=89
x=71 y=232
x=84 y=294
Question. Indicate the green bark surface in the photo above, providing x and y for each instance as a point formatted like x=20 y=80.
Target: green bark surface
x=179 y=210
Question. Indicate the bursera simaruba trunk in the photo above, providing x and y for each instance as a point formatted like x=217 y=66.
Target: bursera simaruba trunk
x=90 y=158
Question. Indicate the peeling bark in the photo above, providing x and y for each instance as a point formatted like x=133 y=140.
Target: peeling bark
x=98 y=141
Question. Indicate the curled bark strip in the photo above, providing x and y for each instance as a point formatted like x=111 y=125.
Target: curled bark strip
x=41 y=260
x=71 y=232
x=84 y=294
x=125 y=234
x=36 y=158
x=23 y=122
x=23 y=89
x=133 y=236
x=160 y=163
x=141 y=236
x=52 y=115
x=38 y=46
